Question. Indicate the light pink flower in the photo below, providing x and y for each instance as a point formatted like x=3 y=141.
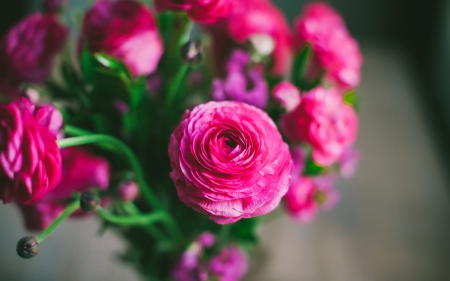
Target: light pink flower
x=229 y=161
x=349 y=162
x=30 y=160
x=125 y=30
x=334 y=50
x=286 y=95
x=324 y=121
x=306 y=194
x=253 y=18
x=27 y=51
x=128 y=190
x=81 y=171
x=202 y=11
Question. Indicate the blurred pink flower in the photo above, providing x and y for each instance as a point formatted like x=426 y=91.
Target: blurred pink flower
x=298 y=160
x=349 y=162
x=324 y=121
x=229 y=161
x=231 y=264
x=125 y=30
x=253 y=18
x=30 y=160
x=128 y=190
x=306 y=194
x=334 y=50
x=202 y=11
x=286 y=95
x=81 y=171
x=27 y=51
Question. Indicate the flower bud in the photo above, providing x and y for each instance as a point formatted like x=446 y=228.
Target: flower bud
x=192 y=52
x=89 y=201
x=128 y=190
x=28 y=247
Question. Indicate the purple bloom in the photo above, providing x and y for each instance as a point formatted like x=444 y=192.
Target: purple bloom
x=298 y=159
x=231 y=264
x=241 y=83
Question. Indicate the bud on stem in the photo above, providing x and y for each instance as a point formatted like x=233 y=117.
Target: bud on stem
x=89 y=201
x=28 y=247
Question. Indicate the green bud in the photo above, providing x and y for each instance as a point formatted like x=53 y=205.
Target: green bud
x=89 y=201
x=28 y=247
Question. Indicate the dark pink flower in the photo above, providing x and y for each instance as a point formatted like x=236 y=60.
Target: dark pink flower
x=253 y=18
x=81 y=171
x=306 y=194
x=30 y=160
x=204 y=11
x=125 y=30
x=231 y=264
x=334 y=50
x=27 y=51
x=323 y=120
x=229 y=161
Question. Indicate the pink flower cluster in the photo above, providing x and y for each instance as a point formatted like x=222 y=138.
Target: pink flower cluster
x=230 y=264
x=229 y=161
x=334 y=50
x=324 y=121
x=125 y=30
x=30 y=161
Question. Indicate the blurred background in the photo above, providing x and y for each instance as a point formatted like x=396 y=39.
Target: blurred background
x=393 y=222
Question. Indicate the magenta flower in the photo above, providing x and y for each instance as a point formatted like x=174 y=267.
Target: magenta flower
x=81 y=171
x=198 y=10
x=298 y=159
x=335 y=51
x=241 y=84
x=125 y=30
x=30 y=160
x=253 y=18
x=229 y=161
x=324 y=121
x=231 y=264
x=286 y=95
x=27 y=51
x=306 y=194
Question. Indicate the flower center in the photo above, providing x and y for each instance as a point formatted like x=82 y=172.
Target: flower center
x=231 y=143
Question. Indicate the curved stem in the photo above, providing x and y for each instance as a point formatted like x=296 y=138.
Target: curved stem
x=71 y=208
x=106 y=141
x=136 y=220
x=131 y=209
x=175 y=86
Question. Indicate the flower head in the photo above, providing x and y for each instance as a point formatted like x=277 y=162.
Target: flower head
x=323 y=120
x=27 y=51
x=286 y=95
x=241 y=84
x=30 y=160
x=229 y=161
x=249 y=19
x=335 y=51
x=125 y=30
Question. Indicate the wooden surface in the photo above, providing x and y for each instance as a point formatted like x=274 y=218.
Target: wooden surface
x=393 y=222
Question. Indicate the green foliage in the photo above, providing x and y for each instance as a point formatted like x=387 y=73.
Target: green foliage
x=312 y=168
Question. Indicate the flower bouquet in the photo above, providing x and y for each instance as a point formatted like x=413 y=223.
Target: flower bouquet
x=178 y=123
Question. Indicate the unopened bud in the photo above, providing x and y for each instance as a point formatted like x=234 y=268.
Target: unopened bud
x=28 y=247
x=192 y=52
x=128 y=190
x=89 y=201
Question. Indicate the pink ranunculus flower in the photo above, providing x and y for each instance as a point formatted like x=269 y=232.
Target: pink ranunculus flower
x=27 y=51
x=324 y=121
x=81 y=170
x=229 y=161
x=198 y=10
x=253 y=18
x=125 y=30
x=30 y=160
x=306 y=195
x=286 y=95
x=334 y=50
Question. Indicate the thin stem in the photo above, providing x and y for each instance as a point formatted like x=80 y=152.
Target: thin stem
x=136 y=220
x=175 y=86
x=105 y=141
x=131 y=209
x=224 y=234
x=72 y=207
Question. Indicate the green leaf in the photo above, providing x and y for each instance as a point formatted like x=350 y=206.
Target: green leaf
x=244 y=231
x=352 y=98
x=87 y=66
x=300 y=64
x=312 y=168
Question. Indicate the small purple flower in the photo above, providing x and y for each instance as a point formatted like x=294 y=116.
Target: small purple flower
x=231 y=264
x=298 y=159
x=241 y=83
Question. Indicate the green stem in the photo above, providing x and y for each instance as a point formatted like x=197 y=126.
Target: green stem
x=103 y=141
x=136 y=220
x=175 y=86
x=131 y=209
x=224 y=234
x=72 y=207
